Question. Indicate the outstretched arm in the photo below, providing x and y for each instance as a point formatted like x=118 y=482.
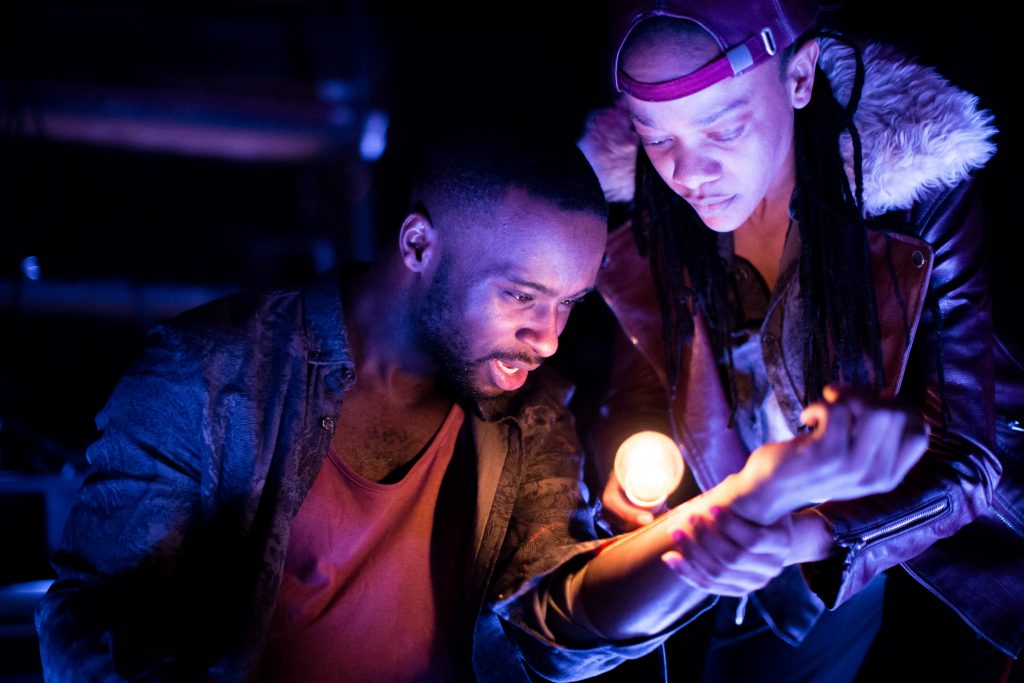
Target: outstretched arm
x=737 y=536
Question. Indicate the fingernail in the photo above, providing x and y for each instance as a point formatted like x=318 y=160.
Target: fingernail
x=671 y=561
x=644 y=518
x=678 y=535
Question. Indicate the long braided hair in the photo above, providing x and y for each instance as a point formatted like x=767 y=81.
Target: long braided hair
x=839 y=320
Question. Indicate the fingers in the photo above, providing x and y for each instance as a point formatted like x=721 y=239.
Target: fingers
x=845 y=398
x=838 y=392
x=872 y=446
x=718 y=552
x=834 y=419
x=913 y=443
x=619 y=511
x=744 y=535
x=885 y=441
x=734 y=585
x=862 y=444
x=814 y=415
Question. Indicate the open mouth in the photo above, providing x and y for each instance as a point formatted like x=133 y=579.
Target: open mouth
x=508 y=376
x=508 y=369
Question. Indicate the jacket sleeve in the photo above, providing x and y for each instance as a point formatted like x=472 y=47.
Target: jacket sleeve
x=950 y=375
x=551 y=535
x=119 y=608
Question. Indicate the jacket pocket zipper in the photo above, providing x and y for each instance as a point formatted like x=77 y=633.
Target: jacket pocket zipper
x=932 y=510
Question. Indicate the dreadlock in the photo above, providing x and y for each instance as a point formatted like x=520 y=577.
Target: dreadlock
x=839 y=313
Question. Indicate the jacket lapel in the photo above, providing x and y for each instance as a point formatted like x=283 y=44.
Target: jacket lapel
x=901 y=267
x=499 y=464
x=490 y=452
x=700 y=413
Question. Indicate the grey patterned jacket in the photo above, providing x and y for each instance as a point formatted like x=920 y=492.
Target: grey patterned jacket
x=171 y=559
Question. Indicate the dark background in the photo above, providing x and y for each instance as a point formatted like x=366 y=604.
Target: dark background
x=156 y=155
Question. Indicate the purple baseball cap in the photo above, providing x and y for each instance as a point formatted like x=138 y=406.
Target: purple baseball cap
x=748 y=32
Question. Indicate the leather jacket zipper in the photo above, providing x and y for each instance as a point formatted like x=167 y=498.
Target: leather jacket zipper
x=1004 y=425
x=857 y=543
x=1006 y=522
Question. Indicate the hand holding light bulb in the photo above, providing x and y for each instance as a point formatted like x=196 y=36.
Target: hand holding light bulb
x=649 y=467
x=740 y=533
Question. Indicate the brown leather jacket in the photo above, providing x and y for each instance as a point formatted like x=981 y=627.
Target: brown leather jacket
x=938 y=346
x=922 y=141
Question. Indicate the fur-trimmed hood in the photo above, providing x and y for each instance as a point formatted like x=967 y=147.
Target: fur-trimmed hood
x=918 y=131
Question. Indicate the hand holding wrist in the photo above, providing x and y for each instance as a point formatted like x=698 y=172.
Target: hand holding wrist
x=764 y=491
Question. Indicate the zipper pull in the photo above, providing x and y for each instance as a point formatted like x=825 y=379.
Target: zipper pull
x=741 y=610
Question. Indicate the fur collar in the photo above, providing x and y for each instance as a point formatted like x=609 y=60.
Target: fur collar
x=918 y=131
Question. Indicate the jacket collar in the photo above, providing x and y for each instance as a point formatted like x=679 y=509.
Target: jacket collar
x=919 y=132
x=324 y=321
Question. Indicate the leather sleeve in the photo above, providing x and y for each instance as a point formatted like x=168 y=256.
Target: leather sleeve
x=950 y=375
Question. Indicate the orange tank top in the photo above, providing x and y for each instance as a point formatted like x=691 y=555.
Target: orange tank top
x=371 y=589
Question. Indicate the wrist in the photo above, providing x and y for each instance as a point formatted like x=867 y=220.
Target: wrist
x=751 y=495
x=812 y=537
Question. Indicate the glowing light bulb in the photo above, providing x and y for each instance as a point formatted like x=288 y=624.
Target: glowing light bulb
x=649 y=467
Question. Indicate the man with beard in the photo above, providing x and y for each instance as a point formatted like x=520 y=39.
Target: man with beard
x=358 y=483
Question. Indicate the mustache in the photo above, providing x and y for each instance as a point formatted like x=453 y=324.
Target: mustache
x=519 y=356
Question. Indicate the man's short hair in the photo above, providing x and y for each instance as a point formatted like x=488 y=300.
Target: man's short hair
x=476 y=165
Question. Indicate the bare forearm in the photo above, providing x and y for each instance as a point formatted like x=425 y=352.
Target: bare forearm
x=737 y=536
x=628 y=592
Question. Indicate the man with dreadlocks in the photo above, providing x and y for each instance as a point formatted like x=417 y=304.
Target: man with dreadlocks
x=803 y=214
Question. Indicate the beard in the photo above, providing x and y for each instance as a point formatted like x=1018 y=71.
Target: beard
x=439 y=327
